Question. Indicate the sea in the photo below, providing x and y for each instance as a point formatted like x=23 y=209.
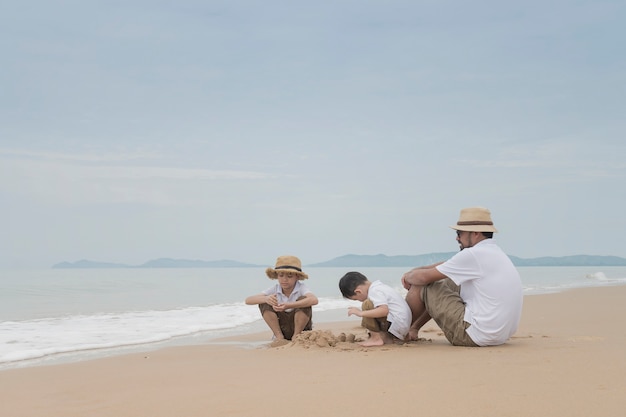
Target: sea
x=49 y=316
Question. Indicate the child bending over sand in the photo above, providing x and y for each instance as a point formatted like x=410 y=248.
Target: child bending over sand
x=384 y=312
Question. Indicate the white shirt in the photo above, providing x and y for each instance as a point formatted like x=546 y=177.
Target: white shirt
x=491 y=289
x=299 y=290
x=399 y=311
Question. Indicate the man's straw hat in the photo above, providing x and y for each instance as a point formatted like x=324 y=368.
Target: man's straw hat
x=475 y=219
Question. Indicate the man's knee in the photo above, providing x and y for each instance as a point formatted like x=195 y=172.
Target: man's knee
x=415 y=295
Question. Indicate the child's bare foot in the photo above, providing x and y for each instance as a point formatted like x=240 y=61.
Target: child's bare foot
x=279 y=342
x=374 y=340
x=370 y=342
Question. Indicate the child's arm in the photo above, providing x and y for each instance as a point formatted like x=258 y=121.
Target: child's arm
x=380 y=311
x=262 y=299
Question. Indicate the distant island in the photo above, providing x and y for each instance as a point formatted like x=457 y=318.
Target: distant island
x=355 y=261
x=431 y=258
x=157 y=263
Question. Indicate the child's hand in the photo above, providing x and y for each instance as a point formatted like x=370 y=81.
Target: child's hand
x=354 y=311
x=272 y=300
x=280 y=307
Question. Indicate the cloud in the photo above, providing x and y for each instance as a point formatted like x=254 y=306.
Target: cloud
x=79 y=179
x=580 y=156
x=27 y=154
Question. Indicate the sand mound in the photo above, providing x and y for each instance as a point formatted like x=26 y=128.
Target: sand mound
x=325 y=339
x=320 y=339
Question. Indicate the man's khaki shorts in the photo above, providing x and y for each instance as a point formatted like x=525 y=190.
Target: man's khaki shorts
x=444 y=304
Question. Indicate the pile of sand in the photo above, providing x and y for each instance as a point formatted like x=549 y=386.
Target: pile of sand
x=321 y=339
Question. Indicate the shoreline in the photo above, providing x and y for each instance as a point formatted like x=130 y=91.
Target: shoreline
x=254 y=334
x=175 y=311
x=255 y=331
x=565 y=360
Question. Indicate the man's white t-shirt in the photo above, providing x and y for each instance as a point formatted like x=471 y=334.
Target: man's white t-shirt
x=491 y=289
x=399 y=311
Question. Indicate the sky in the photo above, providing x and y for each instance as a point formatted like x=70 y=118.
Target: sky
x=244 y=130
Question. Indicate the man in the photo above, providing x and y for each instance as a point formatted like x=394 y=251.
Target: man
x=476 y=296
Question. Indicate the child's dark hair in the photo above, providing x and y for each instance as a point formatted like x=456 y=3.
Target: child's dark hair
x=349 y=282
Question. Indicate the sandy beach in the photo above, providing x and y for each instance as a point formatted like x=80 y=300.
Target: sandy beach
x=567 y=359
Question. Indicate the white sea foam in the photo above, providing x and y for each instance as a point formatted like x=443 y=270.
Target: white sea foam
x=599 y=276
x=47 y=314
x=31 y=339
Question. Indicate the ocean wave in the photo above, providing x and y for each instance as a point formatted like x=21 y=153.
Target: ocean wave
x=38 y=338
x=598 y=276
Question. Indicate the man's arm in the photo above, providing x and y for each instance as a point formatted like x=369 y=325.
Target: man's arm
x=422 y=276
x=429 y=266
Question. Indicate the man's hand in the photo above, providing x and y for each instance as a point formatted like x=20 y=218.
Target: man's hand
x=405 y=284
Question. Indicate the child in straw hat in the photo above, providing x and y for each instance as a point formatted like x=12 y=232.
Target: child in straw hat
x=286 y=306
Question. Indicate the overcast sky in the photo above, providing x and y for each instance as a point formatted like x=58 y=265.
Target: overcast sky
x=133 y=130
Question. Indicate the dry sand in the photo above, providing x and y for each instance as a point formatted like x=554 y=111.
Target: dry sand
x=567 y=359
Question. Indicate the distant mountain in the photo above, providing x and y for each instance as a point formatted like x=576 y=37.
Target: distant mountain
x=186 y=263
x=345 y=261
x=156 y=263
x=84 y=263
x=575 y=260
x=381 y=260
x=431 y=258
